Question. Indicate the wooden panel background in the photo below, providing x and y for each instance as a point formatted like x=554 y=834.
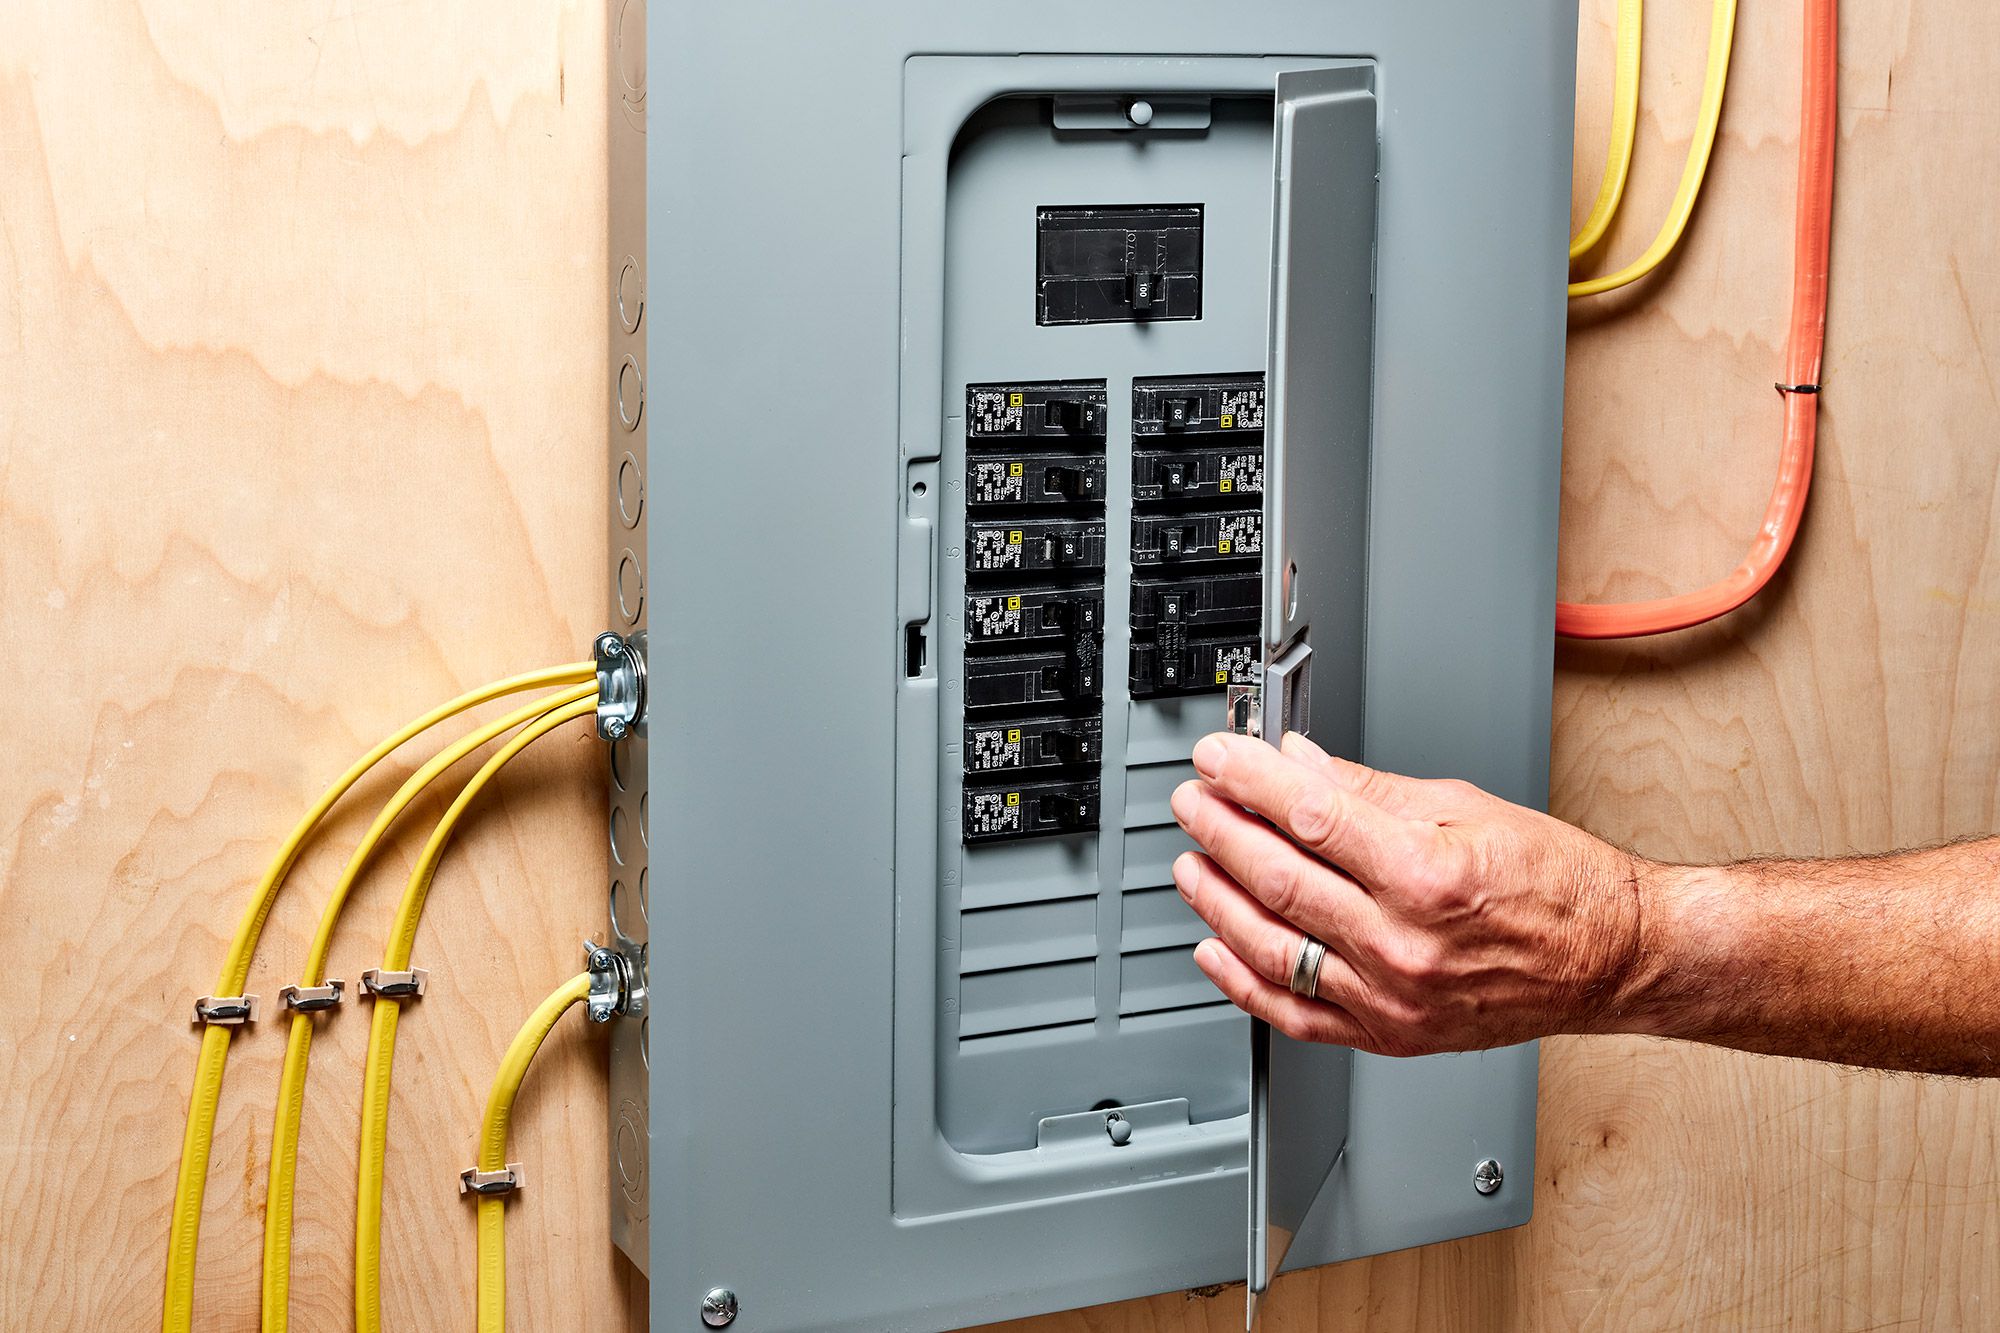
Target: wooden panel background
x=300 y=362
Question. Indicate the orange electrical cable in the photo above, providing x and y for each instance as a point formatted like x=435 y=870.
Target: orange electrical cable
x=1812 y=243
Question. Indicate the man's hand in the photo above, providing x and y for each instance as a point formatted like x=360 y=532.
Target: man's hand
x=1453 y=920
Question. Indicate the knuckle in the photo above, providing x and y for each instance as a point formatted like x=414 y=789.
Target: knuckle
x=1417 y=962
x=1439 y=870
x=1312 y=815
x=1281 y=875
x=1274 y=954
x=1292 y=1023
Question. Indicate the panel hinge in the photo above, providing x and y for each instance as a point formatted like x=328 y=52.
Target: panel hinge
x=621 y=685
x=377 y=983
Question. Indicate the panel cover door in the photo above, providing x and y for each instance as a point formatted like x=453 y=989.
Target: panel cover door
x=1315 y=552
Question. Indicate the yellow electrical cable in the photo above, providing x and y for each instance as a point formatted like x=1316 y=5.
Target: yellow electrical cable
x=184 y=1231
x=1624 y=129
x=382 y=1023
x=493 y=1147
x=1721 y=38
x=291 y=1084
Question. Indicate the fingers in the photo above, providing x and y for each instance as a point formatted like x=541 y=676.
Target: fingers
x=1392 y=791
x=1289 y=882
x=1412 y=798
x=1269 y=944
x=1294 y=1015
x=1378 y=847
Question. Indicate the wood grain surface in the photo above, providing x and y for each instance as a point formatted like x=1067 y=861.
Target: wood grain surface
x=301 y=336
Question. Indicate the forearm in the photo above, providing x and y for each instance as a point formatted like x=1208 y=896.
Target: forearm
x=1886 y=961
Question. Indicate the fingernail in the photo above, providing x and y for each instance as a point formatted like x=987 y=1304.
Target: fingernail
x=1206 y=954
x=1185 y=874
x=1183 y=800
x=1210 y=754
x=1293 y=743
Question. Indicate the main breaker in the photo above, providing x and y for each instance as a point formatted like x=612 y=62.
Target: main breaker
x=1001 y=398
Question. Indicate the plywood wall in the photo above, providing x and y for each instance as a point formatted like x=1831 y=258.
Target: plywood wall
x=300 y=337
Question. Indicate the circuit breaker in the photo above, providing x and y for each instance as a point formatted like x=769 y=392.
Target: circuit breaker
x=986 y=428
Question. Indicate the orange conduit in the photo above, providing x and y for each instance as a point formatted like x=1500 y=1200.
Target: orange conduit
x=1811 y=244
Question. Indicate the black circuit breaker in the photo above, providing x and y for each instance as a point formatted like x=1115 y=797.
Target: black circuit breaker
x=1034 y=608
x=1197 y=533
x=1118 y=265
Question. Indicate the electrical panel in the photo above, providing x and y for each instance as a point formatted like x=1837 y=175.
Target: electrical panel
x=1014 y=414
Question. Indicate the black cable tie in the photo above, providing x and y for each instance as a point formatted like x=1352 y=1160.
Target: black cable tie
x=1796 y=388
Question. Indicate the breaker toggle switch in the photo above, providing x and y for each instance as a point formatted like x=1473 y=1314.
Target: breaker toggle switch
x=1078 y=416
x=1068 y=746
x=1070 y=812
x=1142 y=289
x=1074 y=482
x=1073 y=613
x=1065 y=549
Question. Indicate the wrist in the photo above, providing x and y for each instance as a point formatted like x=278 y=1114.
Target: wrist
x=1689 y=931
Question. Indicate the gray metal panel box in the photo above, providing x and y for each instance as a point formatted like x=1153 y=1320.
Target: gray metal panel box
x=898 y=1009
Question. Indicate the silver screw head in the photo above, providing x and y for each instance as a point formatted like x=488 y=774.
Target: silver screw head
x=1139 y=113
x=1487 y=1176
x=615 y=728
x=718 y=1307
x=608 y=643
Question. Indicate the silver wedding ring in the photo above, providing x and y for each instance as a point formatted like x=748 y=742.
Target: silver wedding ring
x=1305 y=967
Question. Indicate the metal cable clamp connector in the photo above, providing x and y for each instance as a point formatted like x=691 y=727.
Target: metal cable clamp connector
x=610 y=983
x=621 y=685
x=380 y=984
x=313 y=999
x=490 y=1184
x=225 y=1011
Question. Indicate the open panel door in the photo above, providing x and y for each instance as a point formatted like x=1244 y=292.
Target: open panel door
x=1315 y=565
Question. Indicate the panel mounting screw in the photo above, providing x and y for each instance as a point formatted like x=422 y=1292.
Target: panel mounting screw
x=1139 y=112
x=718 y=1307
x=1487 y=1176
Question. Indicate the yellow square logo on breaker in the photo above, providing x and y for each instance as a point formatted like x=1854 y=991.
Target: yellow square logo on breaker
x=1225 y=486
x=1013 y=604
x=1013 y=469
x=1013 y=400
x=1221 y=677
x=1014 y=537
x=1228 y=420
x=1222 y=547
x=1013 y=798
x=1013 y=735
